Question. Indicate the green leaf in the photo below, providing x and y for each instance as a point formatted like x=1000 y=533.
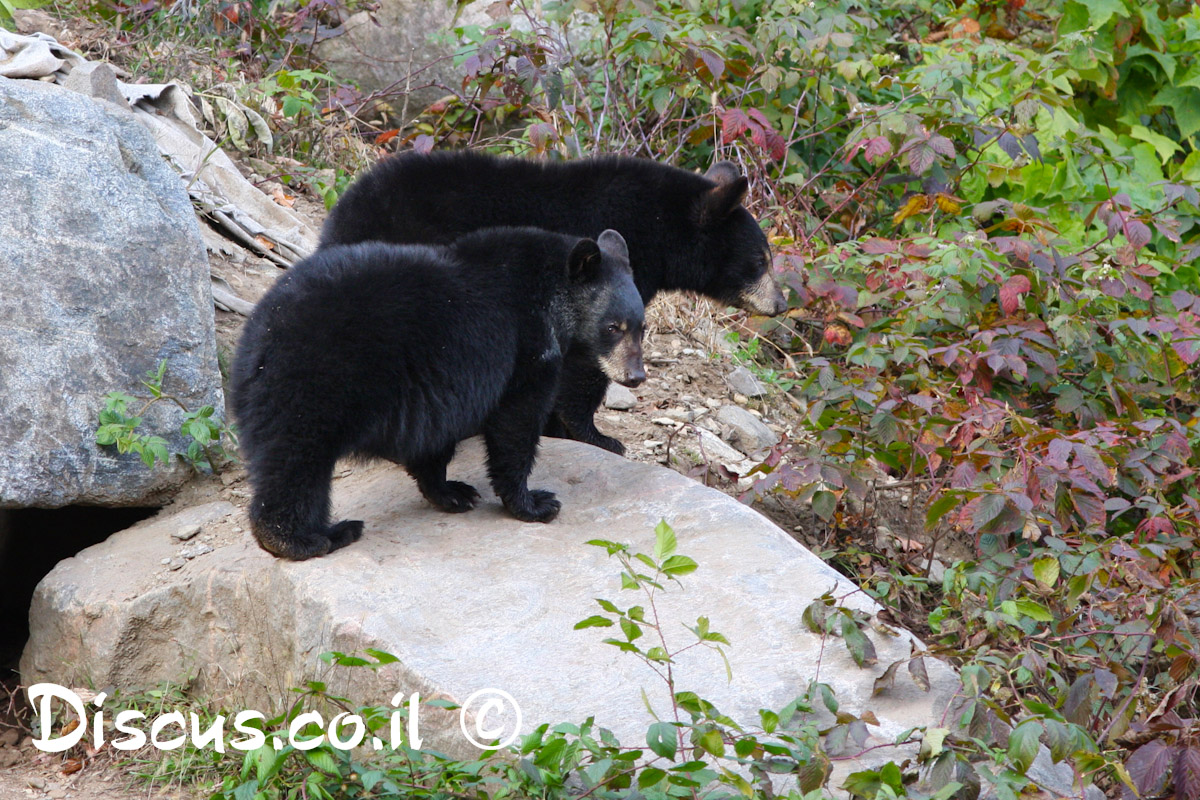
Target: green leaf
x=1046 y=571
x=650 y=776
x=631 y=629
x=861 y=648
x=322 y=759
x=712 y=742
x=939 y=509
x=664 y=541
x=678 y=565
x=594 y=622
x=661 y=738
x=823 y=504
x=1023 y=744
x=1034 y=610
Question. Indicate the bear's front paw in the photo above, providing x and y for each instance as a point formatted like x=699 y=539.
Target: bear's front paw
x=537 y=505
x=608 y=443
x=454 y=496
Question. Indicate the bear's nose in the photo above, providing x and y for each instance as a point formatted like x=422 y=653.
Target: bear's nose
x=634 y=377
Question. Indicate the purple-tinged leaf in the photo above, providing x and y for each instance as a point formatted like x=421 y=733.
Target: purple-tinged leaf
x=1187 y=774
x=1112 y=287
x=1182 y=299
x=1138 y=234
x=1149 y=766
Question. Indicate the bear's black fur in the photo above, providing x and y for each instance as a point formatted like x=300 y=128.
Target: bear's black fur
x=684 y=230
x=401 y=351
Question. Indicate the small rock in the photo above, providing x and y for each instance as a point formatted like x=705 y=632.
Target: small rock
x=27 y=743
x=9 y=757
x=937 y=571
x=229 y=478
x=747 y=432
x=186 y=532
x=715 y=449
x=238 y=530
x=742 y=381
x=666 y=422
x=740 y=398
x=679 y=414
x=175 y=564
x=165 y=561
x=9 y=738
x=651 y=444
x=712 y=402
x=619 y=398
x=240 y=493
x=196 y=550
x=37 y=783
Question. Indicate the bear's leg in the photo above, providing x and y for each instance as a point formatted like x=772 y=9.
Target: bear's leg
x=579 y=395
x=290 y=511
x=430 y=474
x=511 y=434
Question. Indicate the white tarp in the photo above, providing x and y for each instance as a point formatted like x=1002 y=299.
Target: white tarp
x=214 y=183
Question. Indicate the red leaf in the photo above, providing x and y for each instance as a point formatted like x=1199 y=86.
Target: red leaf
x=387 y=136
x=876 y=148
x=734 y=123
x=877 y=246
x=838 y=335
x=1011 y=291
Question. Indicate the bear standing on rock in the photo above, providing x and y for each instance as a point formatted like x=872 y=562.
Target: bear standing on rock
x=401 y=351
x=685 y=231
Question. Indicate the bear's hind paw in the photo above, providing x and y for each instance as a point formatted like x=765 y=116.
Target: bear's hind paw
x=454 y=497
x=539 y=506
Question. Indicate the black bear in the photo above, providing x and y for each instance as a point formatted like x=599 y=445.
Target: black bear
x=684 y=230
x=401 y=351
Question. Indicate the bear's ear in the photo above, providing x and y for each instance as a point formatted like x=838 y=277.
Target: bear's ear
x=719 y=202
x=723 y=172
x=613 y=243
x=584 y=260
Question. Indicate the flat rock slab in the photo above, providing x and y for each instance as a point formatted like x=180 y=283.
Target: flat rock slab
x=470 y=602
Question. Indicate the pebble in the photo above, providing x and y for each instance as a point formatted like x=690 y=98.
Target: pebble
x=742 y=381
x=196 y=550
x=175 y=564
x=37 y=783
x=165 y=561
x=186 y=532
x=666 y=422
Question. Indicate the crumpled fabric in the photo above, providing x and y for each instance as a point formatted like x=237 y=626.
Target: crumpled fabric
x=216 y=187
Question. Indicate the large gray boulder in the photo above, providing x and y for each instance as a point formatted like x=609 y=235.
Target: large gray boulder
x=403 y=47
x=104 y=274
x=468 y=602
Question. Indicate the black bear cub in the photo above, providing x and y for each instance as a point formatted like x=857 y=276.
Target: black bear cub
x=685 y=231
x=401 y=351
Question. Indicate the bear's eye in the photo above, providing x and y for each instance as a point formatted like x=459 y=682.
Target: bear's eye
x=614 y=327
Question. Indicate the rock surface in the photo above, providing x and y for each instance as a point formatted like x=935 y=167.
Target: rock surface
x=404 y=47
x=742 y=381
x=467 y=602
x=746 y=430
x=104 y=274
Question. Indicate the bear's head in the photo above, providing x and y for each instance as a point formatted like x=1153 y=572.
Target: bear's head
x=610 y=316
x=735 y=246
